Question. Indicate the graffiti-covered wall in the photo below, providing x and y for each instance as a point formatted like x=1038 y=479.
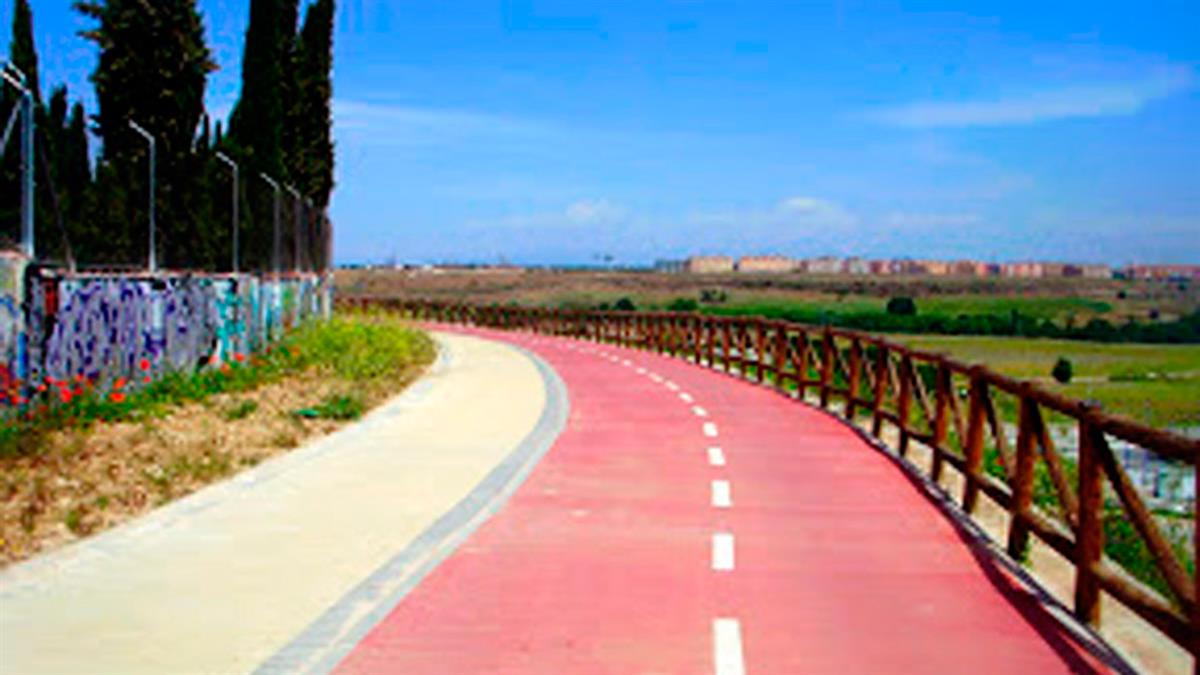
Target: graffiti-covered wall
x=103 y=326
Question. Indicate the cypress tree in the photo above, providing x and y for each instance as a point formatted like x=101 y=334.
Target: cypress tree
x=255 y=129
x=153 y=69
x=22 y=52
x=315 y=120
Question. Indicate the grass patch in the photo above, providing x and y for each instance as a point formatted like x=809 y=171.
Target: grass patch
x=1157 y=385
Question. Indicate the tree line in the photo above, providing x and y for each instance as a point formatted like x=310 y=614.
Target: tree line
x=152 y=68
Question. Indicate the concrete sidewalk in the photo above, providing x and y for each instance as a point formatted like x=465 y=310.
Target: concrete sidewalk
x=230 y=578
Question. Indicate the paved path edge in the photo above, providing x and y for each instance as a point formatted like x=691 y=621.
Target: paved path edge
x=327 y=640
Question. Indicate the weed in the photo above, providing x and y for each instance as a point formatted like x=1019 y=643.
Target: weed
x=335 y=407
x=242 y=410
x=74 y=521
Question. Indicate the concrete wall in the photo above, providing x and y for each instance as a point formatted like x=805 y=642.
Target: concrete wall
x=103 y=326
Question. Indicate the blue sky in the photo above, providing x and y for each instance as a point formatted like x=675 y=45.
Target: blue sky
x=557 y=132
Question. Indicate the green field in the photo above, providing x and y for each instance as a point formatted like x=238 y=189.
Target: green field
x=1156 y=384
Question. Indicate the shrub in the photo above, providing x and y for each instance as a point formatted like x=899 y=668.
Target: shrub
x=624 y=305
x=713 y=296
x=683 y=305
x=902 y=306
x=1062 y=370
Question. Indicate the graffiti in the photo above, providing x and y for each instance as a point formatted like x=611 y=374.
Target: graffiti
x=12 y=323
x=101 y=327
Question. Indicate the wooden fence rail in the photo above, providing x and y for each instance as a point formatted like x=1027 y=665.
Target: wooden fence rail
x=954 y=409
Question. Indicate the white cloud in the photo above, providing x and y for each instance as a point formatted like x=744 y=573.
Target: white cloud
x=594 y=212
x=398 y=124
x=1105 y=99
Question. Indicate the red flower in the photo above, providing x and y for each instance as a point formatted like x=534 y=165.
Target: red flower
x=239 y=357
x=117 y=397
x=144 y=364
x=146 y=379
x=65 y=395
x=41 y=387
x=119 y=384
x=224 y=367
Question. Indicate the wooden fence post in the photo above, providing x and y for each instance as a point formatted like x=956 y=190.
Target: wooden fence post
x=974 y=445
x=827 y=348
x=855 y=374
x=1018 y=526
x=760 y=351
x=781 y=355
x=941 y=418
x=904 y=407
x=801 y=365
x=725 y=340
x=1089 y=542
x=880 y=393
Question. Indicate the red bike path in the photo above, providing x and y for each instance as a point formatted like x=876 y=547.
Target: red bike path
x=619 y=555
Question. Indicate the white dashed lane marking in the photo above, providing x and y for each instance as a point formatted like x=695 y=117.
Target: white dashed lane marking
x=686 y=397
x=672 y=386
x=715 y=456
x=700 y=412
x=722 y=552
x=722 y=495
x=710 y=430
x=727 y=647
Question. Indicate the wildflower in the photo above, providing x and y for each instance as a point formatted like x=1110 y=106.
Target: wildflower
x=41 y=387
x=225 y=368
x=119 y=384
x=146 y=379
x=117 y=397
x=239 y=357
x=65 y=395
x=144 y=364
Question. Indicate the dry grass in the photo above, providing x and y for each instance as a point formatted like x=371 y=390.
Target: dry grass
x=83 y=481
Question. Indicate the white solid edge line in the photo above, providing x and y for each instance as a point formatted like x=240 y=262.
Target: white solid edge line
x=727 y=647
x=715 y=456
x=722 y=551
x=722 y=494
x=710 y=430
x=700 y=412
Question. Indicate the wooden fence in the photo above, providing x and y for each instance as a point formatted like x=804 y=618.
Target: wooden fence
x=957 y=410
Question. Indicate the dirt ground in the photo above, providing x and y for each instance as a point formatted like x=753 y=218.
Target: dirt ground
x=563 y=287
x=89 y=480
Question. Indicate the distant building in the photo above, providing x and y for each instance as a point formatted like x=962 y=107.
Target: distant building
x=880 y=267
x=823 y=265
x=969 y=268
x=1163 y=272
x=1087 y=271
x=1054 y=269
x=1023 y=270
x=776 y=264
x=709 y=264
x=856 y=266
x=670 y=266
